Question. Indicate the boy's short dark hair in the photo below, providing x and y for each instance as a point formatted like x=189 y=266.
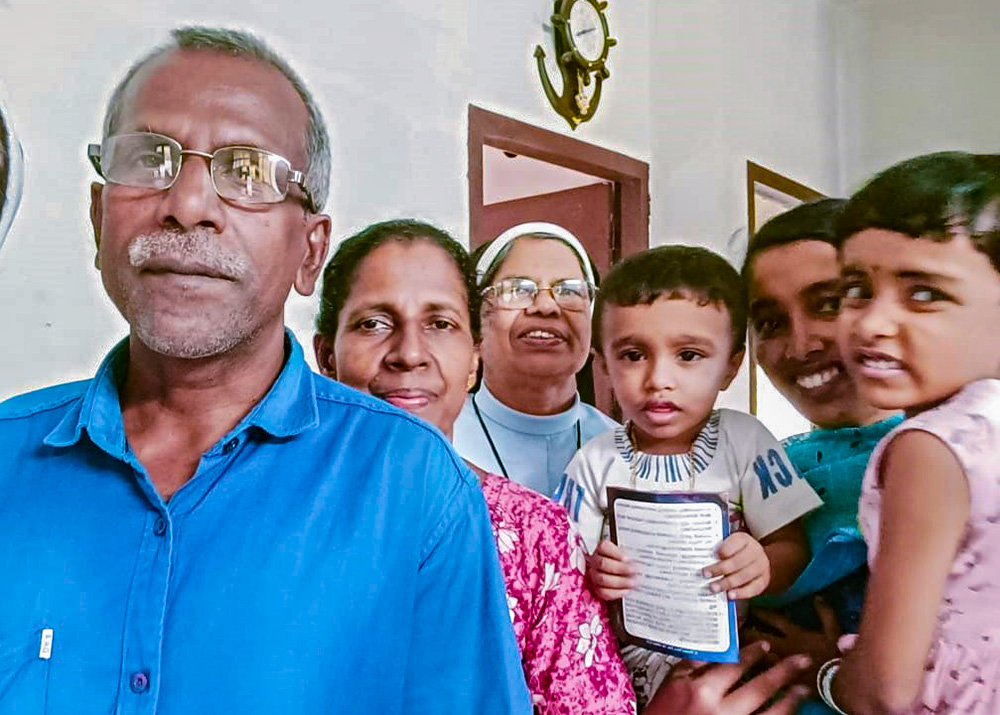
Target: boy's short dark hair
x=814 y=221
x=675 y=272
x=928 y=197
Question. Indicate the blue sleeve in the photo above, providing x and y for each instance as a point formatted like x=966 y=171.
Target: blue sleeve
x=464 y=657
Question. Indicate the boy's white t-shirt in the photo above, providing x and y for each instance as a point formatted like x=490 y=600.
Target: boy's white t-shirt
x=734 y=454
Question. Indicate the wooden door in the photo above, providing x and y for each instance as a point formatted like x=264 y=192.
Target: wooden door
x=611 y=216
x=586 y=212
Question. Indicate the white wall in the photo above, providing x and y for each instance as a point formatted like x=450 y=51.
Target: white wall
x=924 y=79
x=736 y=80
x=696 y=88
x=394 y=79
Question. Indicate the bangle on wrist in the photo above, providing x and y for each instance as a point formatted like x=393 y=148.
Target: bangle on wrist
x=824 y=683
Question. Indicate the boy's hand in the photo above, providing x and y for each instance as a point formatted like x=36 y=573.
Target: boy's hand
x=744 y=566
x=610 y=572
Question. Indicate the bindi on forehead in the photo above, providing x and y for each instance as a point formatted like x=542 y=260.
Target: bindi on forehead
x=878 y=251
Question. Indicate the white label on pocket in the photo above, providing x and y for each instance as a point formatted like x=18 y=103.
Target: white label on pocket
x=45 y=650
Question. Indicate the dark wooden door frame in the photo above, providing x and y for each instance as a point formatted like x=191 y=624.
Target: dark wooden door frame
x=757 y=174
x=630 y=177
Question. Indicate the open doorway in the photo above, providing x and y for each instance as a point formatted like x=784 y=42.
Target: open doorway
x=519 y=172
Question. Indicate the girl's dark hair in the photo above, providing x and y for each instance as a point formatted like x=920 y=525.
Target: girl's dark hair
x=675 y=272
x=492 y=270
x=928 y=197
x=339 y=274
x=814 y=221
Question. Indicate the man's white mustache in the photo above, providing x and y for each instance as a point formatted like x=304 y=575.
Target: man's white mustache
x=197 y=247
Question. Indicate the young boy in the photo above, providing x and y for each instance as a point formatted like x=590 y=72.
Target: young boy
x=669 y=331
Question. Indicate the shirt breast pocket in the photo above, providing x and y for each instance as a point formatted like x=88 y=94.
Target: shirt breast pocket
x=24 y=673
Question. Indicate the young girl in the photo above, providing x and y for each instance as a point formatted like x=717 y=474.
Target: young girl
x=920 y=331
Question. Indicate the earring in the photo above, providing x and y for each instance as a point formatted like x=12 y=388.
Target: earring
x=471 y=382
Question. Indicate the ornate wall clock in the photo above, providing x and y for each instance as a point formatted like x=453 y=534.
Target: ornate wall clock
x=582 y=42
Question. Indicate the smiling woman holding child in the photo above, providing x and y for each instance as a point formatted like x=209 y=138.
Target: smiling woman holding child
x=669 y=330
x=920 y=249
x=792 y=278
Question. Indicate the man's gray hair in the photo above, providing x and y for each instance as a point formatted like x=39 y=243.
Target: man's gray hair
x=240 y=43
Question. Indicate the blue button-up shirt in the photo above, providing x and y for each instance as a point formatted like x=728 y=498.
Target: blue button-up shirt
x=330 y=554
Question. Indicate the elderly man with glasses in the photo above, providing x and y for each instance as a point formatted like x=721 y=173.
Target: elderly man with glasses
x=207 y=526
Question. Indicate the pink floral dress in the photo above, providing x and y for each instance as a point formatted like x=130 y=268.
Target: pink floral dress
x=962 y=673
x=570 y=656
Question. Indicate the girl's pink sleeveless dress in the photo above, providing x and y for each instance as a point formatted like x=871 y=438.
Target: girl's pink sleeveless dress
x=962 y=674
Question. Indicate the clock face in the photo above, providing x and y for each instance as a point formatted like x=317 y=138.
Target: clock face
x=587 y=30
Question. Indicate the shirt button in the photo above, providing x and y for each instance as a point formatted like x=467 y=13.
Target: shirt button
x=160 y=526
x=139 y=682
x=230 y=445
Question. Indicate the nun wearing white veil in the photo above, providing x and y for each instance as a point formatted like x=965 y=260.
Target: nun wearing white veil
x=11 y=173
x=527 y=420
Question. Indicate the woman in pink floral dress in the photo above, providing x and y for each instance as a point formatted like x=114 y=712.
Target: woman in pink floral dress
x=398 y=320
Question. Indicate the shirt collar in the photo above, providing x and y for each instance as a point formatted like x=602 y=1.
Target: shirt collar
x=288 y=408
x=539 y=425
x=867 y=435
x=701 y=453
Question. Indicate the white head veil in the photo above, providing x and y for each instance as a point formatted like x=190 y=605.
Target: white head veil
x=11 y=173
x=538 y=228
